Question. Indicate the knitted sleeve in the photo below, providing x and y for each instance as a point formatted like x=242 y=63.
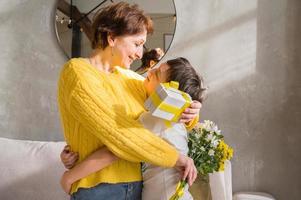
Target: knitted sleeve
x=190 y=125
x=89 y=103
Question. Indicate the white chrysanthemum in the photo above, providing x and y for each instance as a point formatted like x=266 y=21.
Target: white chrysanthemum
x=214 y=142
x=215 y=129
x=209 y=137
x=198 y=126
x=210 y=126
x=207 y=122
x=198 y=136
x=207 y=125
x=211 y=152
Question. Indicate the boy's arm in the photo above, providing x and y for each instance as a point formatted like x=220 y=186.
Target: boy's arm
x=94 y=162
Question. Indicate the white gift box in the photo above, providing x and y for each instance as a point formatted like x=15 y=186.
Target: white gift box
x=167 y=102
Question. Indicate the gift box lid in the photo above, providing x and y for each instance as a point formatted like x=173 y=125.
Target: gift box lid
x=171 y=96
x=167 y=101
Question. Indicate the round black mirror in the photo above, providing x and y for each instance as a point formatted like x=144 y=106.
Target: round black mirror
x=73 y=21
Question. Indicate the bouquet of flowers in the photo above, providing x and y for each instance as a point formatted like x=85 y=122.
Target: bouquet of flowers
x=208 y=151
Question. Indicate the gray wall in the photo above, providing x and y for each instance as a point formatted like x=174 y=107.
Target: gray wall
x=30 y=61
x=248 y=52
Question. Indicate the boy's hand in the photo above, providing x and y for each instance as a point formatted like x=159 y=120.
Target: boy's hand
x=68 y=157
x=191 y=112
x=66 y=183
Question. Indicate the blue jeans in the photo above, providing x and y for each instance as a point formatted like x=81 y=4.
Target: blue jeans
x=106 y=191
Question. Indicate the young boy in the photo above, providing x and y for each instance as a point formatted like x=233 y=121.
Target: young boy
x=158 y=183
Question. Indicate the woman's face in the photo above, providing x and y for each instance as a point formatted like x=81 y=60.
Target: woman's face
x=156 y=76
x=126 y=49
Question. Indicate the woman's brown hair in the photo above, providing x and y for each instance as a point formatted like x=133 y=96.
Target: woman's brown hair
x=118 y=19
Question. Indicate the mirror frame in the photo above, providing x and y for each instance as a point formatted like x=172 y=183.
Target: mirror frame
x=163 y=47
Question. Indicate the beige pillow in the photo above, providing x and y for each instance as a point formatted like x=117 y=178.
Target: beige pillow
x=30 y=170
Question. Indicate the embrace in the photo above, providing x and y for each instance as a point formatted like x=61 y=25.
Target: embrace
x=116 y=149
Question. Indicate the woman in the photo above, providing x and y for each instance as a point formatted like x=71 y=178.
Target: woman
x=100 y=100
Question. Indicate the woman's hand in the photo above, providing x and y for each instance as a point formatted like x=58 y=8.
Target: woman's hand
x=187 y=168
x=191 y=112
x=68 y=157
x=66 y=183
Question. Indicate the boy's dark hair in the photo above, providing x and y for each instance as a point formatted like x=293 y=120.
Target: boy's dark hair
x=118 y=19
x=189 y=80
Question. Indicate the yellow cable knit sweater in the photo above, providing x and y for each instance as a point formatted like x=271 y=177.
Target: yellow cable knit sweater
x=102 y=109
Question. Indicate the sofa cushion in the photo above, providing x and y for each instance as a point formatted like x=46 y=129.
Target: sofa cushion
x=30 y=170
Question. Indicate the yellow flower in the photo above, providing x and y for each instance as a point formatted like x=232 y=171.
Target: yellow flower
x=221 y=167
x=230 y=153
x=179 y=191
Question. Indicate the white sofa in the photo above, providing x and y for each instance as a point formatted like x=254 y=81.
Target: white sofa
x=30 y=170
